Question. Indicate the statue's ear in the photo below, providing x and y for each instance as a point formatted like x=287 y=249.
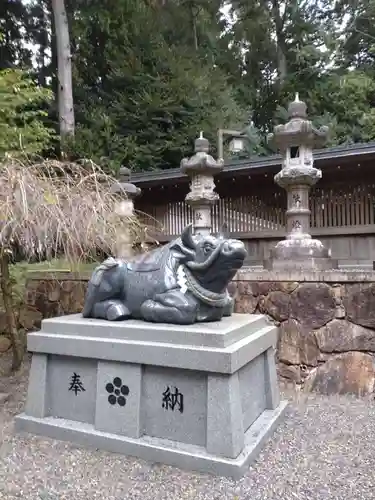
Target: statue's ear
x=187 y=237
x=180 y=252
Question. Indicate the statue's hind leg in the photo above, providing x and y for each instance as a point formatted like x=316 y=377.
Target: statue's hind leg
x=170 y=307
x=112 y=310
x=105 y=297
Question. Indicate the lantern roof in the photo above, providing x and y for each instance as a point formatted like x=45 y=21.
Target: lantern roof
x=299 y=130
x=201 y=162
x=124 y=186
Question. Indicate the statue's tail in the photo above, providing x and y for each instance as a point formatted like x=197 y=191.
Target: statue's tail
x=94 y=283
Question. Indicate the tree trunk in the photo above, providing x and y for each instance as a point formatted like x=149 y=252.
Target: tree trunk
x=279 y=20
x=281 y=62
x=193 y=15
x=44 y=44
x=64 y=70
x=53 y=64
x=18 y=347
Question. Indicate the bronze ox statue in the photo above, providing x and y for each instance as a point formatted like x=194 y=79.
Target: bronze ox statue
x=182 y=282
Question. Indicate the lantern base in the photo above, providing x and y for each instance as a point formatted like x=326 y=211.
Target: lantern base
x=300 y=254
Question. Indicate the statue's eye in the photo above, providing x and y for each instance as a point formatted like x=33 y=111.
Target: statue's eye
x=207 y=249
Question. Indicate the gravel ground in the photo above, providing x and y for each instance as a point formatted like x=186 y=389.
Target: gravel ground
x=325 y=449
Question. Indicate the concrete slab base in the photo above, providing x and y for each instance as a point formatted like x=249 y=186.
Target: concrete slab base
x=198 y=396
x=188 y=457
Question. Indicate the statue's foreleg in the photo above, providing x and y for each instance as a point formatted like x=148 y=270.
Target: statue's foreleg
x=170 y=307
x=229 y=306
x=112 y=310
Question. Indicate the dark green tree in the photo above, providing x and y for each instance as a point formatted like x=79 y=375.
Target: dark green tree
x=147 y=97
x=285 y=48
x=357 y=21
x=14 y=34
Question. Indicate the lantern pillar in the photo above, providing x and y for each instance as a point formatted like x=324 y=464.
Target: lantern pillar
x=201 y=169
x=126 y=192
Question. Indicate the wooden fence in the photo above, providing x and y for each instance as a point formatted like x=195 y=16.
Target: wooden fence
x=258 y=215
x=350 y=206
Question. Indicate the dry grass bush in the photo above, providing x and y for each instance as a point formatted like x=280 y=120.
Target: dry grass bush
x=54 y=208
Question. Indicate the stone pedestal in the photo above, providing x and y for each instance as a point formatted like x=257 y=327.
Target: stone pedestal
x=202 y=397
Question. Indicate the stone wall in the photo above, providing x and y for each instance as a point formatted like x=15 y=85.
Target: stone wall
x=327 y=325
x=54 y=294
x=326 y=320
x=46 y=295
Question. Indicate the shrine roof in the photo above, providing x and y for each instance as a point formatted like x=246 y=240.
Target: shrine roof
x=352 y=152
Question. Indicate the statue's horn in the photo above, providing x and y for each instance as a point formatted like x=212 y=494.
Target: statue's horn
x=187 y=237
x=223 y=233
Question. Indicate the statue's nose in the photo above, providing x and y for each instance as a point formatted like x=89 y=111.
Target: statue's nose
x=232 y=246
x=237 y=245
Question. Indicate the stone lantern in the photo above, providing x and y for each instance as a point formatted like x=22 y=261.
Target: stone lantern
x=126 y=192
x=201 y=169
x=296 y=141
